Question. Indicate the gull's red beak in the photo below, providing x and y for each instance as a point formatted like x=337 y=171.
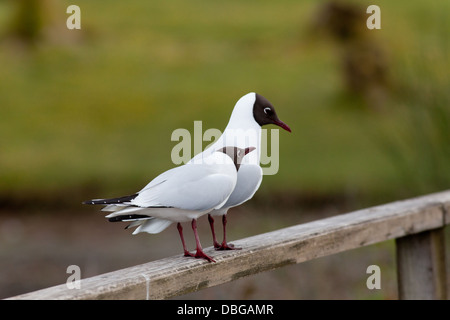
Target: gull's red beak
x=282 y=125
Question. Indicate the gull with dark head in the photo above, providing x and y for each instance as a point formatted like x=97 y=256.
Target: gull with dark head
x=251 y=112
x=181 y=194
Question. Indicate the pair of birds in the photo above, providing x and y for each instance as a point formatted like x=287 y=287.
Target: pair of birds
x=223 y=176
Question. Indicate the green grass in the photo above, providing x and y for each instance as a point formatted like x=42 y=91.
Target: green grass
x=100 y=111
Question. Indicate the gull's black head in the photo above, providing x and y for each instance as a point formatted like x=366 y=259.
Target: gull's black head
x=236 y=154
x=264 y=113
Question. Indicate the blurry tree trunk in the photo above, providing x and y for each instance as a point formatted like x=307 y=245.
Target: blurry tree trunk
x=34 y=21
x=363 y=59
x=40 y=22
x=28 y=20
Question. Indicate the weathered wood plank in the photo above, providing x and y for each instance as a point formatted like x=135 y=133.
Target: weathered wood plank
x=421 y=266
x=178 y=275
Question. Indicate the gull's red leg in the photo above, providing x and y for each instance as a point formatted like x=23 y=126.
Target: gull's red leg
x=211 y=224
x=180 y=231
x=225 y=245
x=199 y=253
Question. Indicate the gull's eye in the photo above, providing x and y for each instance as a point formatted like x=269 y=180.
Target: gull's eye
x=267 y=110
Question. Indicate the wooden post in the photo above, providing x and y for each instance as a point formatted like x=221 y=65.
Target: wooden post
x=421 y=266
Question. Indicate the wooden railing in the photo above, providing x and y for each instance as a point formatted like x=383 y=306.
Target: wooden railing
x=416 y=224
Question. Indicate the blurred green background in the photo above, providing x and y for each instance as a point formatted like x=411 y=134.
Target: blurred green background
x=89 y=113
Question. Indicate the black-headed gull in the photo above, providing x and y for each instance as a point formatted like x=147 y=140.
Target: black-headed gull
x=181 y=194
x=243 y=129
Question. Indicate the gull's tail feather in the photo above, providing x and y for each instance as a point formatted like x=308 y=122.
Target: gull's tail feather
x=143 y=223
x=137 y=218
x=155 y=225
x=112 y=200
x=121 y=209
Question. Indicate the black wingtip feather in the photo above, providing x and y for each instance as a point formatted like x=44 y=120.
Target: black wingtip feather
x=112 y=200
x=128 y=217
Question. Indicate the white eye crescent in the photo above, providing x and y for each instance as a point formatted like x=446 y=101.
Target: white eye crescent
x=266 y=110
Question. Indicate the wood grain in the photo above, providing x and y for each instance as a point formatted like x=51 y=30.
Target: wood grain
x=178 y=275
x=421 y=266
